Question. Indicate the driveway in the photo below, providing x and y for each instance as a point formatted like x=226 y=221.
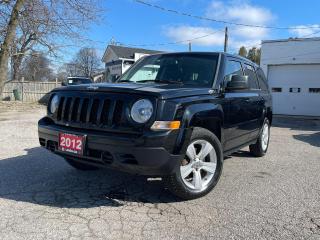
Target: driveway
x=274 y=197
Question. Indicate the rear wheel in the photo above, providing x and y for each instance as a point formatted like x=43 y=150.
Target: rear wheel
x=80 y=166
x=201 y=167
x=260 y=148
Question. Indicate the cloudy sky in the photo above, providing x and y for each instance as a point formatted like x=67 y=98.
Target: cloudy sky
x=132 y=23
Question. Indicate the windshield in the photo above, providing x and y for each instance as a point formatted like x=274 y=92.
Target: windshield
x=188 y=69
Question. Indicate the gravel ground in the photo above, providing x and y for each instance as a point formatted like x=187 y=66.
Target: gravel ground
x=41 y=197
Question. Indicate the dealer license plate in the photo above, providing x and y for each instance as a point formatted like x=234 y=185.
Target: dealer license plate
x=71 y=143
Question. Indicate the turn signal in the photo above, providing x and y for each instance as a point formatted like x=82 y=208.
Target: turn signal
x=165 y=125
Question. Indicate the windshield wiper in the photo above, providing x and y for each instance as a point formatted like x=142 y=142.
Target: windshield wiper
x=141 y=81
x=155 y=81
x=144 y=81
x=169 y=81
x=124 y=81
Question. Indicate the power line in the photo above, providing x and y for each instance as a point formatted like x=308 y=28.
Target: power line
x=170 y=43
x=217 y=20
x=304 y=36
x=311 y=34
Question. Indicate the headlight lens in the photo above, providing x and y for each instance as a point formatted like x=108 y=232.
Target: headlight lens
x=54 y=104
x=141 y=111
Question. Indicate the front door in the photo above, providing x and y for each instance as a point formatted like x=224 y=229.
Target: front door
x=243 y=117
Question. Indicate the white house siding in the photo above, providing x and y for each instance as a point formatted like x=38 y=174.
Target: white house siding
x=126 y=65
x=293 y=71
x=137 y=56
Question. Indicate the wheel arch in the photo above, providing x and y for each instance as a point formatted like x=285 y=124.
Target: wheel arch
x=269 y=115
x=205 y=115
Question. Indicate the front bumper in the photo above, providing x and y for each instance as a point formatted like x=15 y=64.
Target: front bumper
x=149 y=154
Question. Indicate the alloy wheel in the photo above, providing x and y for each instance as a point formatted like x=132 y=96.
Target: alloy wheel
x=265 y=137
x=199 y=165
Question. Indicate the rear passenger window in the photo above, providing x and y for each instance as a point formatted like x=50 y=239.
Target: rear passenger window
x=232 y=68
x=262 y=80
x=252 y=77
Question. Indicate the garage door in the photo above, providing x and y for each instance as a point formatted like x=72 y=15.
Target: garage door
x=295 y=89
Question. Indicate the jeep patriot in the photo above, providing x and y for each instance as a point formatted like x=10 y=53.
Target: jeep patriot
x=173 y=115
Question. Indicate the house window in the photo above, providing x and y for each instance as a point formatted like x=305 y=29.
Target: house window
x=295 y=90
x=276 y=89
x=314 y=90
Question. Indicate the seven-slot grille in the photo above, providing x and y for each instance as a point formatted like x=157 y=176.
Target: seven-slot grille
x=91 y=111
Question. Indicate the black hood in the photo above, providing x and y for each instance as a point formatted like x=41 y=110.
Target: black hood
x=163 y=91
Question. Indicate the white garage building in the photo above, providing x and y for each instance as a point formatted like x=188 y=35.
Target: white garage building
x=292 y=67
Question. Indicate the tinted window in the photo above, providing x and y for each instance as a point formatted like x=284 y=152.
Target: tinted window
x=189 y=69
x=232 y=68
x=252 y=77
x=262 y=80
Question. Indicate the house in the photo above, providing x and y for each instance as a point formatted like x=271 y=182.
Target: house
x=99 y=76
x=118 y=59
x=292 y=67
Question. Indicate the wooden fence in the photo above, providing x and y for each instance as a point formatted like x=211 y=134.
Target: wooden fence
x=29 y=91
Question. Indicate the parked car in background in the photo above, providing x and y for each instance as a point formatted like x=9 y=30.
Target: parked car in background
x=76 y=81
x=174 y=115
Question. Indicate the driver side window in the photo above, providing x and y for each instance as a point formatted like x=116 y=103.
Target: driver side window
x=232 y=68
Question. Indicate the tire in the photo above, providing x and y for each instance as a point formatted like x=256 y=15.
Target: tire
x=260 y=148
x=199 y=165
x=80 y=166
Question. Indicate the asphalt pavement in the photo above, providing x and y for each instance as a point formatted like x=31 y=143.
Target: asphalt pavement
x=273 y=197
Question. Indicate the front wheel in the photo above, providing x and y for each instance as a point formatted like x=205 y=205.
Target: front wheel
x=260 y=148
x=201 y=167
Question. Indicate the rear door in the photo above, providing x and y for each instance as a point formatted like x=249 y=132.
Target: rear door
x=256 y=103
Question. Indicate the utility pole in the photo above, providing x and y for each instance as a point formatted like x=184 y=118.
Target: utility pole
x=225 y=39
x=190 y=48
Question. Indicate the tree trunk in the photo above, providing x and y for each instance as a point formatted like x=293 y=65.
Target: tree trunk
x=8 y=39
x=16 y=67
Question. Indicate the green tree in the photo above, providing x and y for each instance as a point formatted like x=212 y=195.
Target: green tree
x=243 y=51
x=254 y=54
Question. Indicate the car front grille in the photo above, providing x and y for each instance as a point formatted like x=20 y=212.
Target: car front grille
x=86 y=110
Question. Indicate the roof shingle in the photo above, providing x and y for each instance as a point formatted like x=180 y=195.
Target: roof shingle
x=127 y=52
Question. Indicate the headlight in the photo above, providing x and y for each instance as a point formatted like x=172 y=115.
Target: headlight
x=141 y=111
x=54 y=104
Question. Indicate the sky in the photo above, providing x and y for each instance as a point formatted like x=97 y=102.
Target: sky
x=131 y=23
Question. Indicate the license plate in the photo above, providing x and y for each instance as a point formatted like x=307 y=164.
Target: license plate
x=71 y=143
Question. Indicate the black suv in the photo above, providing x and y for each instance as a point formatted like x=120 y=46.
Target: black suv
x=174 y=115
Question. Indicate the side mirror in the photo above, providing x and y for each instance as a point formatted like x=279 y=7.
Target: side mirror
x=238 y=83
